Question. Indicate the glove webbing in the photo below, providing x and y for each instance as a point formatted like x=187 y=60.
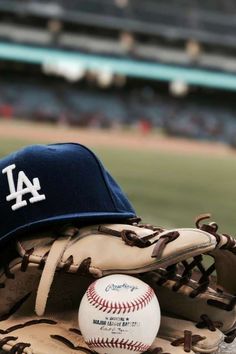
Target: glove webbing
x=189 y=274
x=184 y=273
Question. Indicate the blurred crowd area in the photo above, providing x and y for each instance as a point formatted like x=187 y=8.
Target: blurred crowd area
x=192 y=33
x=137 y=106
x=104 y=86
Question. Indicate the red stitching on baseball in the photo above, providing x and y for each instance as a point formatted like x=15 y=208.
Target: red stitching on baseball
x=114 y=307
x=117 y=343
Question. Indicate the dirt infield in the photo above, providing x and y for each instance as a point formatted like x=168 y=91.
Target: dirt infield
x=38 y=133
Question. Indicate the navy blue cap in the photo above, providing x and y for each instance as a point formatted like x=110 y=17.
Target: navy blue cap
x=45 y=184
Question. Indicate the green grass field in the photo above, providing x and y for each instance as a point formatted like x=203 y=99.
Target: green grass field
x=170 y=189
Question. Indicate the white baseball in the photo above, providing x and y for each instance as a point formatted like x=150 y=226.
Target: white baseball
x=119 y=314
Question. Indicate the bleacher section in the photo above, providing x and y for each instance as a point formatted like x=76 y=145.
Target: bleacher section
x=211 y=22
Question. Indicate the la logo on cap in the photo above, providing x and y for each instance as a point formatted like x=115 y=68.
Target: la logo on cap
x=23 y=186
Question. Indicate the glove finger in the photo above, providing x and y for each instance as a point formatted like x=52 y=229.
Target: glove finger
x=224 y=255
x=129 y=249
x=225 y=261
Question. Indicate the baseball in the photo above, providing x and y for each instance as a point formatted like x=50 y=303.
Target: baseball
x=119 y=313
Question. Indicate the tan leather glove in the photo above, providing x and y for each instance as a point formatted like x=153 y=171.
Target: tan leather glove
x=40 y=289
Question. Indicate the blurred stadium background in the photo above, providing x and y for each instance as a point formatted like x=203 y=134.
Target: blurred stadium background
x=149 y=85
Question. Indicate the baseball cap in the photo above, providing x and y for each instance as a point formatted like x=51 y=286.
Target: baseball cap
x=65 y=182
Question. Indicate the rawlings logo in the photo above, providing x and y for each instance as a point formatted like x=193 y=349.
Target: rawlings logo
x=24 y=186
x=119 y=287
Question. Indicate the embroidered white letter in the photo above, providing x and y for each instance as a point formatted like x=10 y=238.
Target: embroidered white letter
x=18 y=192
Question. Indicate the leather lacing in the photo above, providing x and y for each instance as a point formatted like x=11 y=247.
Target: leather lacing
x=83 y=268
x=212 y=228
x=188 y=341
x=206 y=322
x=17 y=348
x=131 y=238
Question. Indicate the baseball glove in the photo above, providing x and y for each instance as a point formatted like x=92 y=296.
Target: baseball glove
x=44 y=276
